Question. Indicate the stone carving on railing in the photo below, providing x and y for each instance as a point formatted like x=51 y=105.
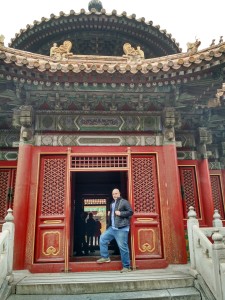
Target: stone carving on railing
x=6 y=254
x=217 y=222
x=208 y=258
x=62 y=51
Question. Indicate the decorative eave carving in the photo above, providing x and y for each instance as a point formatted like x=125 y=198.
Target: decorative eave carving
x=182 y=62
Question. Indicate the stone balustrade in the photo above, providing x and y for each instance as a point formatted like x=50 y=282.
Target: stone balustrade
x=207 y=253
x=6 y=255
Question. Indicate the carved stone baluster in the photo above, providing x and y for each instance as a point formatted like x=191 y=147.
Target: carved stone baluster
x=192 y=221
x=217 y=219
x=218 y=258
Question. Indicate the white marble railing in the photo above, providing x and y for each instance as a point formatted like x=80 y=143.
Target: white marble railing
x=6 y=249
x=207 y=253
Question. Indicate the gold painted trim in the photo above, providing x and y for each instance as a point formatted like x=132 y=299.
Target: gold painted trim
x=67 y=212
x=8 y=167
x=147 y=246
x=52 y=221
x=98 y=153
x=50 y=250
x=36 y=204
x=161 y=222
x=145 y=219
x=99 y=169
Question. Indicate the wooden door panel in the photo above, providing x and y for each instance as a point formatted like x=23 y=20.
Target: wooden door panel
x=148 y=241
x=146 y=219
x=50 y=232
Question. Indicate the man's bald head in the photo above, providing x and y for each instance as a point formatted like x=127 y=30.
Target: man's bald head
x=115 y=194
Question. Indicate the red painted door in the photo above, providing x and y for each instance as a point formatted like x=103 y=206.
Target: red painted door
x=146 y=223
x=51 y=239
x=7 y=187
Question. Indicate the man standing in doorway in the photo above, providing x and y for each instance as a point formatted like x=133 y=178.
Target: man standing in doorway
x=119 y=226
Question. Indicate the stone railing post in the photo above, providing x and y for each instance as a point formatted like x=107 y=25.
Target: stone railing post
x=217 y=219
x=192 y=221
x=10 y=227
x=218 y=257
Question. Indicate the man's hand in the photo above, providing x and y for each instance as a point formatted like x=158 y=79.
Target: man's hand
x=117 y=212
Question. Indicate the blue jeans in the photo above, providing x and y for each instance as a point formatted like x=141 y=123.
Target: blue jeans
x=121 y=238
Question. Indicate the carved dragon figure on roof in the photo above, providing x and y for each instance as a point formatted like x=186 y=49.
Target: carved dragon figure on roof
x=131 y=51
x=63 y=51
x=192 y=48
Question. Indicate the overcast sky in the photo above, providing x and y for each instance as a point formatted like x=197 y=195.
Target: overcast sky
x=185 y=20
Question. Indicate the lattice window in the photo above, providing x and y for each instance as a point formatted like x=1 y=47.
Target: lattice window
x=145 y=188
x=4 y=184
x=54 y=186
x=98 y=162
x=189 y=190
x=217 y=194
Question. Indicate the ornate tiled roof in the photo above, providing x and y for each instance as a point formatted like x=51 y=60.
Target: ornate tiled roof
x=95 y=33
x=167 y=68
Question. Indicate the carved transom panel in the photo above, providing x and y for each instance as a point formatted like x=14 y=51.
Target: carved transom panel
x=144 y=184
x=113 y=162
x=54 y=186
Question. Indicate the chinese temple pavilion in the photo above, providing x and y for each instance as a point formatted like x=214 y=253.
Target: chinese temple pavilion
x=91 y=101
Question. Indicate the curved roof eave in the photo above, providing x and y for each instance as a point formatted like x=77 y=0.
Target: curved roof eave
x=201 y=61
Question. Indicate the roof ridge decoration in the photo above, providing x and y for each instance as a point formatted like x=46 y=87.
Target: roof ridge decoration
x=192 y=48
x=63 y=51
x=95 y=4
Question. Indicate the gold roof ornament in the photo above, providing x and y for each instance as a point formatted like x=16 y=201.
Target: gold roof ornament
x=63 y=51
x=192 y=48
x=131 y=51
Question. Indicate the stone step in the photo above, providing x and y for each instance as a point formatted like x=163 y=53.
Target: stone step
x=189 y=293
x=101 y=282
x=174 y=282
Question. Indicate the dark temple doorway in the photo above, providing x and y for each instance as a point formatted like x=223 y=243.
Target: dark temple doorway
x=91 y=195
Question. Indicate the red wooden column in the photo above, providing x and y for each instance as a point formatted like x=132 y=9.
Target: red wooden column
x=205 y=184
x=172 y=207
x=21 y=203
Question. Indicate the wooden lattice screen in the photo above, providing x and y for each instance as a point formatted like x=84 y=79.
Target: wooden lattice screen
x=217 y=195
x=189 y=190
x=7 y=188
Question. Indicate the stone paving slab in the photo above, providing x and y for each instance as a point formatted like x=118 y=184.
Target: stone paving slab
x=178 y=294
